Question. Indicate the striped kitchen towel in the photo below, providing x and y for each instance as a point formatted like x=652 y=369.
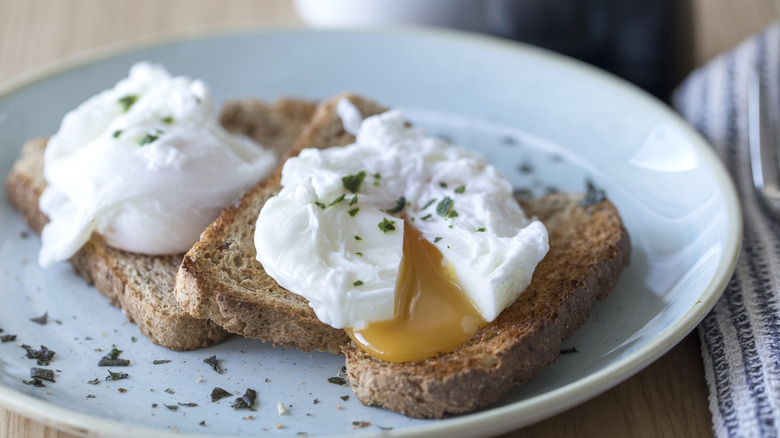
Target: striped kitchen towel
x=741 y=336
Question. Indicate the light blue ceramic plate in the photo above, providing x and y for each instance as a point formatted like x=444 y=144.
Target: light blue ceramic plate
x=547 y=122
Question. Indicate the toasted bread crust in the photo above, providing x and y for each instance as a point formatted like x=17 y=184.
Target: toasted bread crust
x=220 y=278
x=588 y=248
x=142 y=286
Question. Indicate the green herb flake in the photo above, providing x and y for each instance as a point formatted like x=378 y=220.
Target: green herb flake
x=460 y=190
x=593 y=196
x=429 y=203
x=435 y=240
x=246 y=401
x=316 y=400
x=344 y=397
x=452 y=214
x=42 y=320
x=353 y=182
x=133 y=339
x=399 y=205
x=167 y=120
x=377 y=177
x=337 y=380
x=35 y=381
x=7 y=338
x=172 y=407
x=353 y=201
x=42 y=373
x=358 y=237
x=218 y=394
x=319 y=204
x=170 y=391
x=212 y=361
x=386 y=225
x=359 y=254
x=569 y=350
x=150 y=138
x=42 y=356
x=116 y=376
x=353 y=212
x=112 y=359
x=426 y=217
x=127 y=101
x=190 y=404
x=358 y=283
x=481 y=229
x=337 y=200
x=94 y=381
x=160 y=361
x=443 y=185
x=117 y=133
x=445 y=206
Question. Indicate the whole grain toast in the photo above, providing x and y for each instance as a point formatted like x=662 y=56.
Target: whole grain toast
x=141 y=285
x=220 y=279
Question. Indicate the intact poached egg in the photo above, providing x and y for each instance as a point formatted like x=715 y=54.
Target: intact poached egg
x=146 y=165
x=407 y=242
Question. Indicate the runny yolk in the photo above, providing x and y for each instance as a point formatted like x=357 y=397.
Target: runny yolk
x=432 y=313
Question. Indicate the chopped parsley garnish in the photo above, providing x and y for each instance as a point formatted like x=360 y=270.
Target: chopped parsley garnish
x=337 y=200
x=212 y=361
x=358 y=283
x=218 y=393
x=377 y=177
x=353 y=201
x=593 y=196
x=452 y=214
x=443 y=185
x=112 y=359
x=117 y=133
x=94 y=381
x=386 y=225
x=245 y=401
x=358 y=237
x=359 y=254
x=7 y=338
x=42 y=320
x=172 y=407
x=127 y=101
x=190 y=404
x=42 y=356
x=353 y=212
x=460 y=189
x=436 y=239
x=429 y=203
x=319 y=204
x=337 y=380
x=167 y=120
x=399 y=205
x=35 y=381
x=150 y=138
x=481 y=229
x=353 y=182
x=344 y=397
x=569 y=350
x=116 y=376
x=160 y=361
x=42 y=373
x=426 y=217
x=445 y=206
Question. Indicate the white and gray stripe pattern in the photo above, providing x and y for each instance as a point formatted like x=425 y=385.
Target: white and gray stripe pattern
x=741 y=336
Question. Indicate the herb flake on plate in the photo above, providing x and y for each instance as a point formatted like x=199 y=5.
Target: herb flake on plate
x=42 y=373
x=246 y=401
x=212 y=361
x=218 y=393
x=112 y=359
x=42 y=356
x=116 y=376
x=42 y=320
x=7 y=338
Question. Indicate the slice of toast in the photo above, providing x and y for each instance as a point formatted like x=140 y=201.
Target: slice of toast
x=141 y=285
x=589 y=247
x=220 y=279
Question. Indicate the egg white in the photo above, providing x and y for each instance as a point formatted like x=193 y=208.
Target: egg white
x=310 y=239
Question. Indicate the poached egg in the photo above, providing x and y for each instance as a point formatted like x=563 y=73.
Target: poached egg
x=407 y=242
x=146 y=165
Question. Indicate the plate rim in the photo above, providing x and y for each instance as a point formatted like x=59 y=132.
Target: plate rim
x=492 y=420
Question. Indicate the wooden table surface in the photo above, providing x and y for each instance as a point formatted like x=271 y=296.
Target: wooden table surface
x=668 y=398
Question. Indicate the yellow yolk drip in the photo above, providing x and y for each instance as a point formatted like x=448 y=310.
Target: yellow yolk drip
x=432 y=313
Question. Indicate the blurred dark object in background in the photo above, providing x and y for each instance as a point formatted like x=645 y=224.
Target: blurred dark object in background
x=643 y=41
